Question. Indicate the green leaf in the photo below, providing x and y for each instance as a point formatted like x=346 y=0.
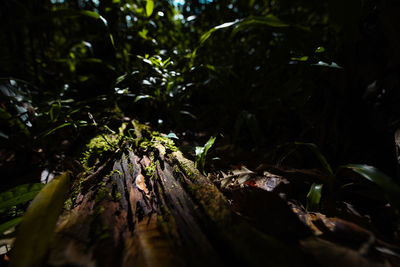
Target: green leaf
x=320 y=49
x=314 y=197
x=149 y=7
x=58 y=127
x=201 y=153
x=19 y=194
x=37 y=226
x=207 y=35
x=321 y=158
x=389 y=187
x=140 y=97
x=305 y=58
x=89 y=13
x=121 y=79
x=9 y=224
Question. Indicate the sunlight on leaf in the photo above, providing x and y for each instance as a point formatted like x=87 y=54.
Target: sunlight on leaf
x=172 y=136
x=207 y=35
x=201 y=153
x=320 y=49
x=324 y=64
x=140 y=97
x=314 y=197
x=305 y=58
x=149 y=7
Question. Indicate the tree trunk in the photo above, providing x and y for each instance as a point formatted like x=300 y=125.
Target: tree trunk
x=154 y=208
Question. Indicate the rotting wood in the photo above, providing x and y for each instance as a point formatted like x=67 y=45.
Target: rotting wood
x=176 y=218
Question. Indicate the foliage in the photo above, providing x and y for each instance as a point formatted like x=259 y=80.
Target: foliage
x=314 y=197
x=390 y=188
x=201 y=153
x=18 y=195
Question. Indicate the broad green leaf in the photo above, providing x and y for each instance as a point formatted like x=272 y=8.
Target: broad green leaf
x=37 y=226
x=314 y=197
x=389 y=187
x=9 y=224
x=149 y=7
x=19 y=194
x=321 y=158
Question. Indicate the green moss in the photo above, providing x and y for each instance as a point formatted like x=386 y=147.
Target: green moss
x=68 y=204
x=96 y=150
x=168 y=143
x=102 y=192
x=151 y=169
x=114 y=171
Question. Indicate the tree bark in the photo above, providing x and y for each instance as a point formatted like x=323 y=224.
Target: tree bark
x=147 y=205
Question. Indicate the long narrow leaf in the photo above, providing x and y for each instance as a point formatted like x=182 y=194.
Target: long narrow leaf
x=9 y=224
x=19 y=194
x=389 y=187
x=321 y=158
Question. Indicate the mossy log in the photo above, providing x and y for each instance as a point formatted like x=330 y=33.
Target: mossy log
x=147 y=205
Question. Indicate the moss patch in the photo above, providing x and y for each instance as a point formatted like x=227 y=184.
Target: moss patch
x=97 y=149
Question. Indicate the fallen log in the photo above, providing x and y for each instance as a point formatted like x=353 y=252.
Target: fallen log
x=144 y=204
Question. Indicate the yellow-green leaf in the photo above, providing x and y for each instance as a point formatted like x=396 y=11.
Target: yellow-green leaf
x=149 y=7
x=37 y=226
